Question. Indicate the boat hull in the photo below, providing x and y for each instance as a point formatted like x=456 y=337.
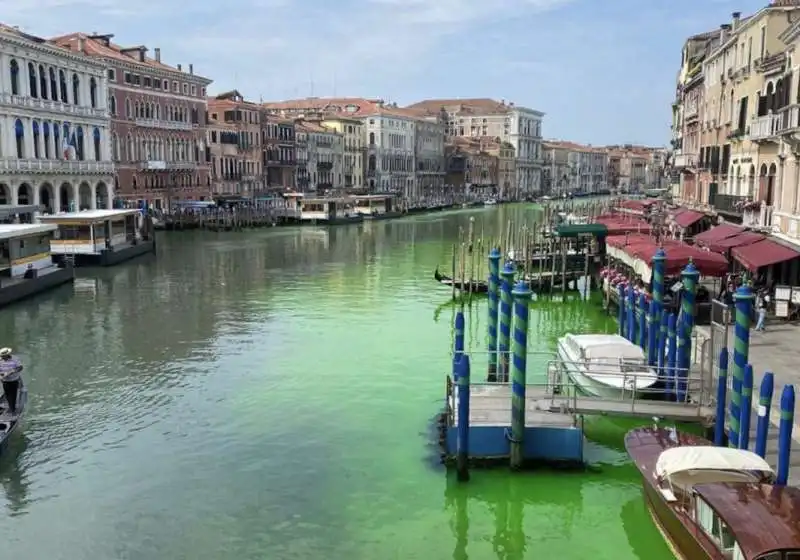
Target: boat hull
x=590 y=386
x=8 y=424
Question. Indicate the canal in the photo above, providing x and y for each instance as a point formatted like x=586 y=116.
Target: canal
x=270 y=394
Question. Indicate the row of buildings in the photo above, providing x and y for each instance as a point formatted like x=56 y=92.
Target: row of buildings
x=86 y=122
x=736 y=120
x=576 y=168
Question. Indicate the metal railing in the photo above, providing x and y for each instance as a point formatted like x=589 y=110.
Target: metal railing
x=48 y=105
x=55 y=166
x=167 y=125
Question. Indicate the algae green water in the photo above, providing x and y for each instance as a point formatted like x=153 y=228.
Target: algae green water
x=270 y=395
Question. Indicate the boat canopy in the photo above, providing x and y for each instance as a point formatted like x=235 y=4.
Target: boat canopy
x=605 y=346
x=691 y=465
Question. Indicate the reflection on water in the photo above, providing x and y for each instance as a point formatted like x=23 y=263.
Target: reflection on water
x=267 y=395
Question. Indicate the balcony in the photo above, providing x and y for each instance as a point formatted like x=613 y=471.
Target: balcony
x=691 y=112
x=684 y=160
x=153 y=165
x=54 y=106
x=729 y=204
x=764 y=129
x=789 y=119
x=55 y=166
x=166 y=125
x=324 y=165
x=182 y=165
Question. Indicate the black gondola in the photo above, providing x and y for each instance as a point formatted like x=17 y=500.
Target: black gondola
x=10 y=422
x=474 y=286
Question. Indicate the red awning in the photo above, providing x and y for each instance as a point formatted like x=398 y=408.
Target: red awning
x=763 y=253
x=678 y=254
x=741 y=240
x=687 y=218
x=722 y=231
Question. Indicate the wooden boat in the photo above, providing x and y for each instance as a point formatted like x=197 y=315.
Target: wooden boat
x=475 y=286
x=605 y=365
x=714 y=503
x=9 y=423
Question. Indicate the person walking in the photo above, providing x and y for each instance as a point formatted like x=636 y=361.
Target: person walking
x=761 y=311
x=10 y=369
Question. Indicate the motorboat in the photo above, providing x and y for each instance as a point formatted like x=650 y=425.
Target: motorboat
x=490 y=202
x=716 y=503
x=605 y=365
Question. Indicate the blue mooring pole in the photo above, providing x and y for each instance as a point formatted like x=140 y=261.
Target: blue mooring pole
x=641 y=340
x=519 y=359
x=630 y=309
x=722 y=390
x=747 y=407
x=672 y=349
x=494 y=295
x=462 y=457
x=506 y=304
x=785 y=434
x=621 y=310
x=662 y=349
x=764 y=406
x=458 y=342
x=741 y=355
x=678 y=375
x=652 y=334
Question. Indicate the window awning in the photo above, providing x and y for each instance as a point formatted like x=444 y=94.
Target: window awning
x=763 y=253
x=687 y=218
x=744 y=238
x=722 y=231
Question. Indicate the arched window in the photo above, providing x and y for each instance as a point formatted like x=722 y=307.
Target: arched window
x=128 y=108
x=372 y=138
x=56 y=141
x=14 y=68
x=79 y=144
x=43 y=82
x=112 y=104
x=62 y=84
x=35 y=127
x=93 y=93
x=48 y=153
x=32 y=80
x=19 y=134
x=96 y=139
x=53 y=84
x=158 y=111
x=76 y=89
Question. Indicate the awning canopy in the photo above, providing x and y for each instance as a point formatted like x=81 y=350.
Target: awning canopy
x=744 y=238
x=701 y=457
x=687 y=218
x=763 y=253
x=722 y=231
x=637 y=251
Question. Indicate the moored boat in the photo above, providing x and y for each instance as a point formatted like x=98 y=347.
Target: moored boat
x=715 y=503
x=474 y=286
x=605 y=365
x=10 y=421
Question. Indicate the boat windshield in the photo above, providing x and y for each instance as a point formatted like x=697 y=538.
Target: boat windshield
x=717 y=529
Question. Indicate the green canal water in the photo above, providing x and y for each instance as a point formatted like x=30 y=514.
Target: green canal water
x=270 y=395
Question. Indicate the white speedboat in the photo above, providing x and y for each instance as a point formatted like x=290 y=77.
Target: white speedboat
x=605 y=365
x=490 y=202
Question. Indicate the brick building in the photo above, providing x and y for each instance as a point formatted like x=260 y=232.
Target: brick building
x=236 y=163
x=158 y=122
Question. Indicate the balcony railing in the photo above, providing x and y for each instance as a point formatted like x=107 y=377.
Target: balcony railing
x=46 y=105
x=690 y=112
x=789 y=119
x=167 y=125
x=764 y=128
x=683 y=161
x=55 y=166
x=182 y=165
x=729 y=203
x=324 y=165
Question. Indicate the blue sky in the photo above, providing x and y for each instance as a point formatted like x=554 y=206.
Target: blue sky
x=603 y=71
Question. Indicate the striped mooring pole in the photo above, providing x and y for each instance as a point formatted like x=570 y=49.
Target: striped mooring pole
x=641 y=339
x=652 y=334
x=785 y=434
x=741 y=355
x=722 y=389
x=630 y=309
x=672 y=350
x=506 y=304
x=458 y=342
x=659 y=264
x=746 y=407
x=519 y=357
x=494 y=292
x=462 y=433
x=689 y=277
x=765 y=393
x=621 y=309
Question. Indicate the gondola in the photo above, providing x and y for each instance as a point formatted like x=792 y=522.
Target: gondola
x=475 y=286
x=10 y=422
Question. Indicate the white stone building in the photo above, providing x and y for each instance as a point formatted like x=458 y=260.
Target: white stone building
x=55 y=148
x=391 y=143
x=519 y=126
x=320 y=155
x=429 y=157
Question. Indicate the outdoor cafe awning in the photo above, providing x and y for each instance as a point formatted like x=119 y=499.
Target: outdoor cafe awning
x=722 y=231
x=687 y=218
x=763 y=253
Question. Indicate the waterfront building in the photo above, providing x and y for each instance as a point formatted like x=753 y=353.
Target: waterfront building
x=429 y=168
x=574 y=168
x=55 y=148
x=236 y=163
x=391 y=145
x=317 y=107
x=320 y=153
x=278 y=153
x=353 y=131
x=519 y=126
x=480 y=172
x=158 y=122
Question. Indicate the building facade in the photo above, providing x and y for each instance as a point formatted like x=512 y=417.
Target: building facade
x=519 y=126
x=429 y=157
x=245 y=178
x=278 y=152
x=354 y=135
x=323 y=154
x=55 y=131
x=391 y=142
x=158 y=121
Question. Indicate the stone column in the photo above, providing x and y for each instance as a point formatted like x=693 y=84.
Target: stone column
x=28 y=127
x=94 y=196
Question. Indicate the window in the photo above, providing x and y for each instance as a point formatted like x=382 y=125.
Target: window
x=147 y=81
x=14 y=70
x=128 y=79
x=175 y=87
x=43 y=82
x=62 y=84
x=185 y=89
x=32 y=80
x=763 y=49
x=194 y=90
x=76 y=89
x=112 y=75
x=93 y=93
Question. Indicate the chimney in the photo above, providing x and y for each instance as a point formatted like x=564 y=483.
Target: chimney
x=179 y=68
x=81 y=45
x=142 y=52
x=191 y=69
x=724 y=32
x=157 y=53
x=735 y=17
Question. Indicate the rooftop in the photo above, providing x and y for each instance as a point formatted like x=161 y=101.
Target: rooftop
x=474 y=106
x=12 y=231
x=88 y=215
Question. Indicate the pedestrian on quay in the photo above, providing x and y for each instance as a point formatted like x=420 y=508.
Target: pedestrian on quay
x=761 y=311
x=10 y=369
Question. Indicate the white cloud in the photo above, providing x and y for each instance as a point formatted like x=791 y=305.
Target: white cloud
x=276 y=47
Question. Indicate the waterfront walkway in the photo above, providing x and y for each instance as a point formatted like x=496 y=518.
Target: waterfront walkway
x=774 y=350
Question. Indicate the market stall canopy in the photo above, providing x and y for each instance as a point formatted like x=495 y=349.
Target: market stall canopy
x=637 y=251
x=722 y=231
x=763 y=253
x=617 y=225
x=687 y=218
x=744 y=238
